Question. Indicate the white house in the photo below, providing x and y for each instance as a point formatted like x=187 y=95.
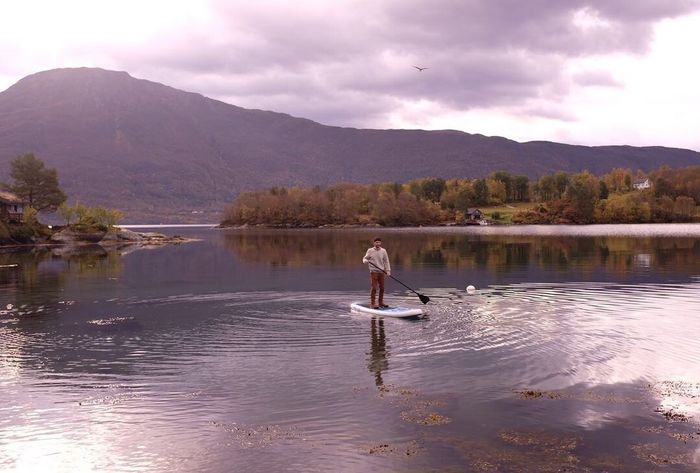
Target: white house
x=642 y=184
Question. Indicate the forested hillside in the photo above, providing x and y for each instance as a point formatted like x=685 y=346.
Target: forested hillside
x=163 y=155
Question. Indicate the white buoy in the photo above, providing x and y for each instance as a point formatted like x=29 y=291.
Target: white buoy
x=471 y=289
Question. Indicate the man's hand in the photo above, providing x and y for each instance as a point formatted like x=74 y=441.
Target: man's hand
x=388 y=273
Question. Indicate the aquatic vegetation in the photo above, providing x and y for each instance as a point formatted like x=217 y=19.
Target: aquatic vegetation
x=524 y=452
x=258 y=436
x=407 y=449
x=419 y=416
x=661 y=456
x=417 y=410
x=671 y=415
x=536 y=394
x=110 y=321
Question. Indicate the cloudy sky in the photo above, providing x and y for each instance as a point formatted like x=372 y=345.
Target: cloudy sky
x=575 y=71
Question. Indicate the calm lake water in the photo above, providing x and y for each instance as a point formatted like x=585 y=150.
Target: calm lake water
x=579 y=351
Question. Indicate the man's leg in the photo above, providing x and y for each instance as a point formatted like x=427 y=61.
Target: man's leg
x=373 y=292
x=380 y=281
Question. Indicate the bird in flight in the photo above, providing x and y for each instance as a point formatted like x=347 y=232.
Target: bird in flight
x=420 y=69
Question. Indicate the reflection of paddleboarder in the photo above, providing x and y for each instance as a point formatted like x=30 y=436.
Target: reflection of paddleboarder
x=377 y=361
x=378 y=261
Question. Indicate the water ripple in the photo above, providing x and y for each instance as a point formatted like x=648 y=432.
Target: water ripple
x=597 y=329
x=172 y=371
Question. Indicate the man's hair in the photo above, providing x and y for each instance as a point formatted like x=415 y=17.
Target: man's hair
x=377 y=239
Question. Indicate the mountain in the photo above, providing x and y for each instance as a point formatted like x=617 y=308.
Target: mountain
x=164 y=155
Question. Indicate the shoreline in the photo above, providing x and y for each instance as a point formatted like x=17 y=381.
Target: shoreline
x=122 y=237
x=639 y=230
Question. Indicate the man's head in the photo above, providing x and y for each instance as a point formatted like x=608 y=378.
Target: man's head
x=377 y=242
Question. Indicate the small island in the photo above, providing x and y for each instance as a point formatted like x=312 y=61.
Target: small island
x=663 y=196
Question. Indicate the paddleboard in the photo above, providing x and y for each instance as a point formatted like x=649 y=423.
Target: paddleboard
x=364 y=308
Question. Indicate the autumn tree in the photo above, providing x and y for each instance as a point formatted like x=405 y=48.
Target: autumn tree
x=433 y=189
x=36 y=184
x=521 y=188
x=618 y=180
x=481 y=192
x=498 y=194
x=623 y=208
x=561 y=182
x=66 y=212
x=430 y=188
x=507 y=180
x=677 y=182
x=684 y=208
x=464 y=199
x=545 y=188
x=662 y=210
x=582 y=194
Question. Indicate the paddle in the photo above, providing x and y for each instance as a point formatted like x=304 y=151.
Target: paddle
x=424 y=299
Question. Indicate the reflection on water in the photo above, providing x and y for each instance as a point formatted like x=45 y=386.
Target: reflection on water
x=239 y=353
x=497 y=252
x=378 y=359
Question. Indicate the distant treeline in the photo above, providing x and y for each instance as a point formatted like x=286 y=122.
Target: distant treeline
x=621 y=196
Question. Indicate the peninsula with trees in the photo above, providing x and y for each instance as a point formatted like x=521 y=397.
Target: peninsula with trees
x=35 y=189
x=664 y=195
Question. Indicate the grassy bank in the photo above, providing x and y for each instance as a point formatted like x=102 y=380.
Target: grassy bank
x=504 y=213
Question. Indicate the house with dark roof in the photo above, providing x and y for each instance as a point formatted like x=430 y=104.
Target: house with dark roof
x=473 y=216
x=11 y=208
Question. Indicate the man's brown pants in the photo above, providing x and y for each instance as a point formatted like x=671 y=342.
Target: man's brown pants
x=377 y=280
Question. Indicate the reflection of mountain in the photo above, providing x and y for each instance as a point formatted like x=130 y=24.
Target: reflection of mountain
x=496 y=253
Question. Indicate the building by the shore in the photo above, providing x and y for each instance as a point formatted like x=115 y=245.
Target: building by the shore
x=11 y=208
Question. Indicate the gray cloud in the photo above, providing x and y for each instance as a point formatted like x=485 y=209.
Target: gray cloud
x=595 y=78
x=349 y=63
x=537 y=26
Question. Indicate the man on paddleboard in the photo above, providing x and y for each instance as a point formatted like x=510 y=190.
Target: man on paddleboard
x=378 y=261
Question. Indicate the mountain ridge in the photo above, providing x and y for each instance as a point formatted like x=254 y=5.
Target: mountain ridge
x=160 y=154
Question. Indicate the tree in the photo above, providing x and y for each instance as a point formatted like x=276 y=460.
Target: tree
x=507 y=180
x=561 y=182
x=662 y=187
x=36 y=184
x=497 y=192
x=684 y=208
x=521 y=187
x=582 y=194
x=663 y=209
x=481 y=192
x=547 y=188
x=433 y=188
x=66 y=212
x=464 y=199
x=623 y=208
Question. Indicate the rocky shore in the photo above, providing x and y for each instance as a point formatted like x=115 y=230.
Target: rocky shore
x=80 y=236
x=115 y=235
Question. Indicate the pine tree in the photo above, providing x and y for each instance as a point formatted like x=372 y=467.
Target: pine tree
x=34 y=183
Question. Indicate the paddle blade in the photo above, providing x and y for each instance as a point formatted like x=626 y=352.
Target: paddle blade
x=423 y=299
